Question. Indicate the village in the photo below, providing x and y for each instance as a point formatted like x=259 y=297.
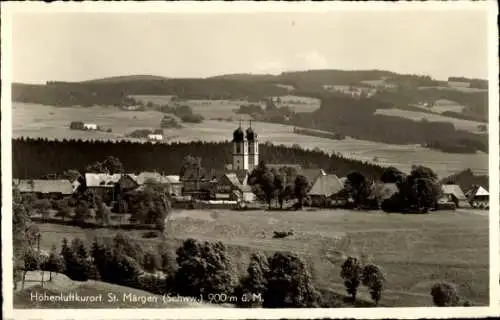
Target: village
x=232 y=188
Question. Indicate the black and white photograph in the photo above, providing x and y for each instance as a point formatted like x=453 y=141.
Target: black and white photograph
x=233 y=160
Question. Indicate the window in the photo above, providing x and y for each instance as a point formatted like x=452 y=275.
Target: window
x=238 y=148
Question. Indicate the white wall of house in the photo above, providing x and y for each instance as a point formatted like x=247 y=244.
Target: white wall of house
x=155 y=137
x=90 y=126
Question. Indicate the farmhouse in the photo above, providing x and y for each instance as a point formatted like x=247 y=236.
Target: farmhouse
x=453 y=193
x=479 y=197
x=171 y=183
x=54 y=189
x=323 y=188
x=89 y=126
x=155 y=137
x=102 y=184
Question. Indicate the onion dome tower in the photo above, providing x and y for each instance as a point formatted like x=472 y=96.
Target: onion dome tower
x=240 y=150
x=253 y=147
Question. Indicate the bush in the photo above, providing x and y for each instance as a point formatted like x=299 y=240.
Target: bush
x=444 y=295
x=374 y=279
x=115 y=266
x=351 y=272
x=151 y=262
x=78 y=265
x=168 y=263
x=289 y=284
x=254 y=282
x=54 y=263
x=204 y=268
x=122 y=243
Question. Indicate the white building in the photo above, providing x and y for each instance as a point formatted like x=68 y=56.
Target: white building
x=155 y=137
x=90 y=126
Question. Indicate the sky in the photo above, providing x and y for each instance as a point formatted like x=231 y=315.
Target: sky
x=84 y=46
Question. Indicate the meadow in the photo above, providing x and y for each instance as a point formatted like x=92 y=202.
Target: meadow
x=460 y=124
x=415 y=251
x=30 y=120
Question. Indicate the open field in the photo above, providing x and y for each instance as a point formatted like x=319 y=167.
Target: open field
x=415 y=251
x=457 y=88
x=443 y=105
x=31 y=120
x=104 y=293
x=460 y=124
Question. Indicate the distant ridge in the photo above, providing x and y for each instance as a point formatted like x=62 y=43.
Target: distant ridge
x=138 y=77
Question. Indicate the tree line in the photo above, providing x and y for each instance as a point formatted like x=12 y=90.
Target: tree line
x=38 y=158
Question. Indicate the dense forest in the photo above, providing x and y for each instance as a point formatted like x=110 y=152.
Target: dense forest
x=37 y=158
x=115 y=93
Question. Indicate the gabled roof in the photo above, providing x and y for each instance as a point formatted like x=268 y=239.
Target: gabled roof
x=101 y=179
x=312 y=174
x=477 y=191
x=241 y=175
x=326 y=185
x=44 y=186
x=455 y=190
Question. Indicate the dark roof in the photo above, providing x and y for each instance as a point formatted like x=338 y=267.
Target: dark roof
x=240 y=174
x=251 y=135
x=238 y=134
x=44 y=186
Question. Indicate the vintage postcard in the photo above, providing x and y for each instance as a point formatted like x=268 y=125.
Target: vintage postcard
x=250 y=160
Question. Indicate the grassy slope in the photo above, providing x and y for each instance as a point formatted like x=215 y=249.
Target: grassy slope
x=415 y=251
x=62 y=284
x=53 y=123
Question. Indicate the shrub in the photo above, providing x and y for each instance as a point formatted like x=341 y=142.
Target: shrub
x=204 y=268
x=151 y=262
x=254 y=282
x=168 y=263
x=43 y=206
x=374 y=279
x=54 y=263
x=444 y=295
x=289 y=284
x=122 y=243
x=351 y=272
x=78 y=265
x=115 y=266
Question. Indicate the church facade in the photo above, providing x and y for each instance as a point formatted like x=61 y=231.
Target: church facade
x=245 y=149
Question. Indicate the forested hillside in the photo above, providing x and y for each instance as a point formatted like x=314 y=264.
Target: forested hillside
x=35 y=158
x=355 y=118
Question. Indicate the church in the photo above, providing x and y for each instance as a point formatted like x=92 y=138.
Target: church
x=245 y=149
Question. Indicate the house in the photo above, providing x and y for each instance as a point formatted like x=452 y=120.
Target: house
x=89 y=126
x=479 y=197
x=453 y=193
x=155 y=137
x=54 y=189
x=233 y=186
x=102 y=184
x=174 y=185
x=312 y=174
x=323 y=188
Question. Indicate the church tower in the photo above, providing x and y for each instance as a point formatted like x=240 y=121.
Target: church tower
x=240 y=150
x=253 y=148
